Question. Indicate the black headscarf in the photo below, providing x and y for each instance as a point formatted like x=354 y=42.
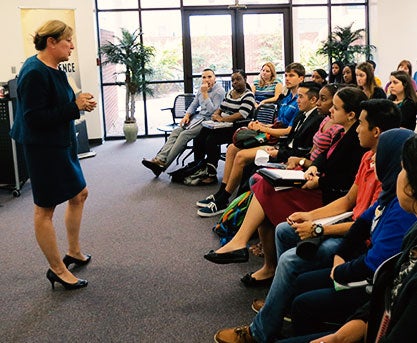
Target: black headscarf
x=388 y=161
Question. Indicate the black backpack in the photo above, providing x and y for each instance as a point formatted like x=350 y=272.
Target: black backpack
x=179 y=175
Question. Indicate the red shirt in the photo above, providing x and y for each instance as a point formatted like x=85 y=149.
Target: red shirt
x=368 y=186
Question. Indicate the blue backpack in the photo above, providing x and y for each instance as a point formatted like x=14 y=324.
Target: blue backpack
x=229 y=223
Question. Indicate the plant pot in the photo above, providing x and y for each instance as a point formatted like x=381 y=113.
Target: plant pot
x=131 y=132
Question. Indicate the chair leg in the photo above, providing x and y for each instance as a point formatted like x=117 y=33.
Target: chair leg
x=188 y=155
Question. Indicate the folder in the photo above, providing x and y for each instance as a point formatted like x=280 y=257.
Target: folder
x=283 y=177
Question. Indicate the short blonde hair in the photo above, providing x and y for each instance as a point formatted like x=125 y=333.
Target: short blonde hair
x=52 y=28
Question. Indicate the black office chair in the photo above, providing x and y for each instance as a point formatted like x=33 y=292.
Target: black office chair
x=178 y=110
x=266 y=113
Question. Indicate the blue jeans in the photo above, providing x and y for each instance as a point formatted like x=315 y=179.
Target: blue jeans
x=267 y=323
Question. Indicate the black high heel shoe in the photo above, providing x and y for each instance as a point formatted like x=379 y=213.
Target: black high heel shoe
x=52 y=277
x=79 y=263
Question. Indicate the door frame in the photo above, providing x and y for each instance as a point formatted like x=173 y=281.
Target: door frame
x=237 y=34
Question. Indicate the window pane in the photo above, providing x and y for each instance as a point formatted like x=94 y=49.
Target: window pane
x=310 y=28
x=264 y=41
x=348 y=1
x=207 y=2
x=110 y=25
x=211 y=41
x=115 y=109
x=263 y=2
x=308 y=2
x=116 y=4
x=346 y=15
x=159 y=3
x=162 y=29
x=163 y=99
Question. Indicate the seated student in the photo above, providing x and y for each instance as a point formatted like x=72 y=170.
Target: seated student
x=239 y=103
x=270 y=207
x=375 y=236
x=335 y=74
x=322 y=140
x=390 y=314
x=377 y=79
x=267 y=324
x=266 y=87
x=366 y=81
x=349 y=74
x=406 y=66
x=325 y=135
x=403 y=94
x=319 y=76
x=208 y=100
x=237 y=158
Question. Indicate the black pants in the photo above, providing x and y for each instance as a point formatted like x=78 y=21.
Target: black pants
x=317 y=302
x=208 y=143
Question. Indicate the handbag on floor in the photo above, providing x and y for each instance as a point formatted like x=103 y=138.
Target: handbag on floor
x=191 y=168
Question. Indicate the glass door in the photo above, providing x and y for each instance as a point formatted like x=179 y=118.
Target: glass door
x=234 y=38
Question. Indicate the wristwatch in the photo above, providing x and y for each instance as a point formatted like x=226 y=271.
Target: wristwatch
x=317 y=230
x=301 y=163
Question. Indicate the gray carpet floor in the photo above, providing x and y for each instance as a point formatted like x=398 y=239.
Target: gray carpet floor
x=148 y=280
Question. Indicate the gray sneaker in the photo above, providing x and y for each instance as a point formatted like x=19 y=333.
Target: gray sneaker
x=206 y=201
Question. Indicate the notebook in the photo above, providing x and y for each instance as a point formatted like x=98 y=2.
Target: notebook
x=216 y=124
x=283 y=177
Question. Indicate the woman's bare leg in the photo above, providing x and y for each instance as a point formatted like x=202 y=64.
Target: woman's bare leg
x=46 y=238
x=267 y=237
x=231 y=152
x=73 y=216
x=242 y=159
x=254 y=217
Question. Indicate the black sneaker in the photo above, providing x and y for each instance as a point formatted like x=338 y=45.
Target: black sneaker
x=206 y=201
x=212 y=209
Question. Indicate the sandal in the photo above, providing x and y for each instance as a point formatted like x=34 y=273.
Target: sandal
x=257 y=250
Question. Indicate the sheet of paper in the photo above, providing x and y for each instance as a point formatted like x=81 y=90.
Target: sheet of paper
x=333 y=219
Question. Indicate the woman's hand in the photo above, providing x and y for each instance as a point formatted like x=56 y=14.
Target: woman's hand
x=312 y=183
x=272 y=151
x=293 y=162
x=257 y=126
x=252 y=125
x=217 y=117
x=85 y=102
x=311 y=172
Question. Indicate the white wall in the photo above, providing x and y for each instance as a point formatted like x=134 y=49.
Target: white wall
x=12 y=54
x=392 y=32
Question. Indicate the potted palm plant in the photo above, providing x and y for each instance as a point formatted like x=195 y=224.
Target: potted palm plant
x=343 y=45
x=135 y=58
